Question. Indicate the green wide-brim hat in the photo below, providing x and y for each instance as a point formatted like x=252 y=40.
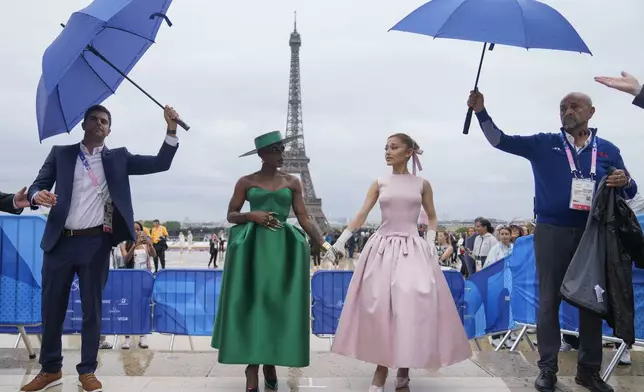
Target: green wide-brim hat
x=268 y=139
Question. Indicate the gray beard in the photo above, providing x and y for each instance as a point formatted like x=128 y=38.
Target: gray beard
x=569 y=123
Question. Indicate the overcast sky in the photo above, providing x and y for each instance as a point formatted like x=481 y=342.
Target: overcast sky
x=225 y=67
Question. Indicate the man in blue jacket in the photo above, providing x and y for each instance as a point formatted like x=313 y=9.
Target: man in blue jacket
x=567 y=166
x=91 y=211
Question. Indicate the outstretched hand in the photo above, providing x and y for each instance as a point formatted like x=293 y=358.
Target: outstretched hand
x=20 y=198
x=626 y=83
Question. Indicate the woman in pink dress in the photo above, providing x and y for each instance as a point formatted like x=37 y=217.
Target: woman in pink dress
x=399 y=311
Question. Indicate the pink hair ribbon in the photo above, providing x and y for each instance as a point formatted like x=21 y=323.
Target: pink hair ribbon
x=415 y=161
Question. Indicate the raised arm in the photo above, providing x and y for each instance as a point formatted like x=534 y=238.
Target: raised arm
x=149 y=164
x=524 y=146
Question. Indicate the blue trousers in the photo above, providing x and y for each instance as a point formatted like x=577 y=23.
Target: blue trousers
x=88 y=257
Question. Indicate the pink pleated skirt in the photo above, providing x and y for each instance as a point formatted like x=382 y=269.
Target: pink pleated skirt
x=399 y=311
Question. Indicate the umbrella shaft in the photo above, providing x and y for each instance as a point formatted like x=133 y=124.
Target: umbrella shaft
x=100 y=56
x=478 y=74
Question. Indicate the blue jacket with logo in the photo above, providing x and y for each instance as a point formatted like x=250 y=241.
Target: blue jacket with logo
x=552 y=176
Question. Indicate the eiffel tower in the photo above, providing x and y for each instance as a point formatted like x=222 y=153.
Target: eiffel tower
x=295 y=160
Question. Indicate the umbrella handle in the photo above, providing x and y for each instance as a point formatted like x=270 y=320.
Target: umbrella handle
x=468 y=121
x=182 y=124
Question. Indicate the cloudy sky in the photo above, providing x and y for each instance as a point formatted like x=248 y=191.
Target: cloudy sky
x=225 y=65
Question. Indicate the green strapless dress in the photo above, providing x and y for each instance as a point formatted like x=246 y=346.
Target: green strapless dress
x=264 y=305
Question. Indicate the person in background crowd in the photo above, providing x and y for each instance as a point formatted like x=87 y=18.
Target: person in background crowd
x=14 y=203
x=137 y=255
x=468 y=246
x=517 y=232
x=501 y=249
x=159 y=235
x=222 y=244
x=444 y=249
x=567 y=166
x=214 y=248
x=351 y=246
x=315 y=254
x=483 y=242
x=399 y=311
x=91 y=211
x=190 y=240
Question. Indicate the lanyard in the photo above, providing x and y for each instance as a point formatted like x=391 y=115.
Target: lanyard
x=571 y=161
x=90 y=172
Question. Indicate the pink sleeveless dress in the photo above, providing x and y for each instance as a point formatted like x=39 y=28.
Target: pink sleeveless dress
x=399 y=311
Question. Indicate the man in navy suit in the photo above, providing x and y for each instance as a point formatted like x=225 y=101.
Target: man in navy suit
x=91 y=211
x=14 y=203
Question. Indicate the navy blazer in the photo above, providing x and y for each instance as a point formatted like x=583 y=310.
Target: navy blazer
x=118 y=165
x=6 y=204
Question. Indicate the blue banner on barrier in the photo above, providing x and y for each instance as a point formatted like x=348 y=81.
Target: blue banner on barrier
x=186 y=301
x=329 y=290
x=20 y=269
x=487 y=307
x=127 y=299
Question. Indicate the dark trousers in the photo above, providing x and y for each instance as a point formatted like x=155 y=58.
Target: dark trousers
x=470 y=265
x=160 y=250
x=89 y=258
x=554 y=248
x=213 y=257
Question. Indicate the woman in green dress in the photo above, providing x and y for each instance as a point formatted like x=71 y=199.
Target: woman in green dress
x=263 y=315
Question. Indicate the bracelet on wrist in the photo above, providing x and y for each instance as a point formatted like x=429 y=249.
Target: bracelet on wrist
x=326 y=246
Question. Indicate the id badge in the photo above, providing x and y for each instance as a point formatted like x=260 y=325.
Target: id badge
x=108 y=214
x=581 y=194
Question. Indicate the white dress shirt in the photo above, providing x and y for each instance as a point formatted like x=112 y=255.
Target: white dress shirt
x=578 y=149
x=86 y=208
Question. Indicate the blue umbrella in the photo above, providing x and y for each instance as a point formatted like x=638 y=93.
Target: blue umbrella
x=90 y=58
x=523 y=23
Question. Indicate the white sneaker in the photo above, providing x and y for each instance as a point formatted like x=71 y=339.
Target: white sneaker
x=105 y=345
x=376 y=389
x=126 y=344
x=626 y=357
x=143 y=342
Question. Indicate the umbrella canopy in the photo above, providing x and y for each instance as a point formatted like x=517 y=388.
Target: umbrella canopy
x=523 y=23
x=75 y=73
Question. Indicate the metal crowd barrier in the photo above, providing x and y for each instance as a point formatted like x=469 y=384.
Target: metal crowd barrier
x=501 y=298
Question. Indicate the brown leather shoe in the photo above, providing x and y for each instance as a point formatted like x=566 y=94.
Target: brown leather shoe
x=43 y=381
x=90 y=383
